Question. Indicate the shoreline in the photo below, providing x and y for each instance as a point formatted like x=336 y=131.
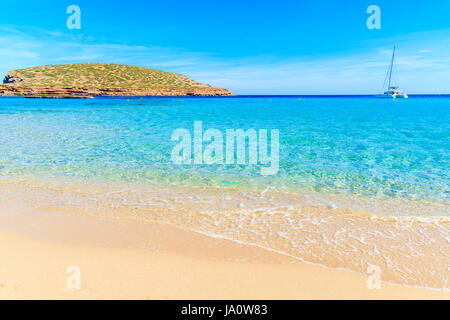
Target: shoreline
x=174 y=264
x=253 y=96
x=9 y=90
x=43 y=213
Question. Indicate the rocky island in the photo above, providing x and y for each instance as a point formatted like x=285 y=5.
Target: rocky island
x=87 y=80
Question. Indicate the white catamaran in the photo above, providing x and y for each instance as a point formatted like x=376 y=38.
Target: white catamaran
x=391 y=92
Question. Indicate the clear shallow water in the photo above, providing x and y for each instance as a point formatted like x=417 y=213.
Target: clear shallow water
x=359 y=147
x=342 y=161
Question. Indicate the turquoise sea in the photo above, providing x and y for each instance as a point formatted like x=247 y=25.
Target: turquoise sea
x=361 y=181
x=349 y=146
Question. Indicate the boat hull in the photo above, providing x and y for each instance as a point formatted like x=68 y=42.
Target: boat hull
x=392 y=96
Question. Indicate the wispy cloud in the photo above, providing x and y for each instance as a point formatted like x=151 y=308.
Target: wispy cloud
x=424 y=65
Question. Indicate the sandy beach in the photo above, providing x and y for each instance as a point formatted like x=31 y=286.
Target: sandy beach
x=127 y=259
x=170 y=150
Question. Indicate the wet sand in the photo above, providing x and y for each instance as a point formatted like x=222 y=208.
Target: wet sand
x=121 y=258
x=407 y=242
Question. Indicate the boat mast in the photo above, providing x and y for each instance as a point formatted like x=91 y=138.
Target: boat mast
x=390 y=68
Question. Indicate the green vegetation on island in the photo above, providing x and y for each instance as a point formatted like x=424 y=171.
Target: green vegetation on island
x=99 y=75
x=86 y=80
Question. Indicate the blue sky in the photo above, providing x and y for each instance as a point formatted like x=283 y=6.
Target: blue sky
x=250 y=47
